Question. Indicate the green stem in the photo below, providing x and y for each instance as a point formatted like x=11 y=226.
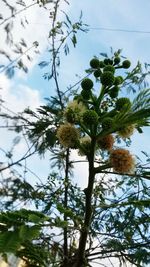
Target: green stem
x=100 y=96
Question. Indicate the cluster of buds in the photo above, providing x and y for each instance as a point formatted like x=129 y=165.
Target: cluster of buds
x=86 y=110
x=105 y=72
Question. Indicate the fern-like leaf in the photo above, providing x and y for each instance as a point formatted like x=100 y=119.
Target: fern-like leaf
x=142 y=100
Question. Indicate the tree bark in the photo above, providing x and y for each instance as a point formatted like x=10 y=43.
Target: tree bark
x=80 y=259
x=65 y=247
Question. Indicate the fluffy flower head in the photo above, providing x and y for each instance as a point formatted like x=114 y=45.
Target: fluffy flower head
x=122 y=161
x=106 y=143
x=74 y=111
x=68 y=135
x=127 y=131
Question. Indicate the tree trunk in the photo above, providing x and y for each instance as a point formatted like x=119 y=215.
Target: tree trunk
x=80 y=259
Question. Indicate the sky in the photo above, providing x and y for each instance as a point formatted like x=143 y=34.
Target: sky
x=31 y=89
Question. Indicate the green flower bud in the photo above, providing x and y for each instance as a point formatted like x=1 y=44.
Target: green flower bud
x=86 y=94
x=106 y=61
x=118 y=80
x=109 y=68
x=117 y=60
x=94 y=63
x=114 y=92
x=90 y=117
x=101 y=64
x=107 y=78
x=123 y=102
x=126 y=64
x=97 y=73
x=110 y=61
x=107 y=123
x=87 y=84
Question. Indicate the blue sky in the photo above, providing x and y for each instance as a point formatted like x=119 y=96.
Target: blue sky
x=128 y=15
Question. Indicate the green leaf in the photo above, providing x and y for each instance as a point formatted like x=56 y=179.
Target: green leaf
x=9 y=241
x=142 y=100
x=29 y=233
x=74 y=40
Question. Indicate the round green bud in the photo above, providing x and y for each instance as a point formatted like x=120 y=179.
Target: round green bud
x=106 y=61
x=86 y=94
x=123 y=102
x=87 y=84
x=110 y=61
x=126 y=64
x=90 y=117
x=97 y=73
x=94 y=63
x=101 y=64
x=107 y=123
x=109 y=68
x=118 y=80
x=117 y=60
x=107 y=78
x=113 y=93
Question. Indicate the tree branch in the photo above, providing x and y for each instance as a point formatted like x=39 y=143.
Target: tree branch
x=16 y=13
x=65 y=206
x=88 y=209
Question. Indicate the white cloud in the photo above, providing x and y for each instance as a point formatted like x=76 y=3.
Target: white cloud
x=18 y=96
x=37 y=29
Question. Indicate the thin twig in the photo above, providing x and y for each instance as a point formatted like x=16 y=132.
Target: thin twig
x=16 y=13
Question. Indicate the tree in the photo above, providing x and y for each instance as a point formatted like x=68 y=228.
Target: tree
x=65 y=225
